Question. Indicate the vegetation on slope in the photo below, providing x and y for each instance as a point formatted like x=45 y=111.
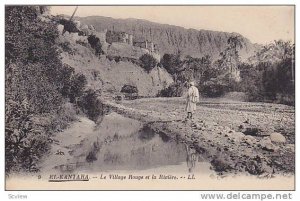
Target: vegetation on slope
x=40 y=91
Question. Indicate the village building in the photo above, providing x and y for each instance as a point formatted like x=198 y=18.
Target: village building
x=146 y=45
x=119 y=37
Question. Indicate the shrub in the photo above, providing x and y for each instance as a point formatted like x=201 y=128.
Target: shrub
x=129 y=89
x=28 y=136
x=69 y=26
x=171 y=63
x=66 y=47
x=35 y=84
x=148 y=62
x=65 y=115
x=174 y=90
x=271 y=76
x=95 y=44
x=78 y=82
x=91 y=105
x=117 y=59
x=211 y=89
x=74 y=84
x=24 y=143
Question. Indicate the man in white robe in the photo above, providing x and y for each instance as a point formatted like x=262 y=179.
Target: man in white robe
x=192 y=100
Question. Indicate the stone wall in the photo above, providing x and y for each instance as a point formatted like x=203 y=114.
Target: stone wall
x=125 y=50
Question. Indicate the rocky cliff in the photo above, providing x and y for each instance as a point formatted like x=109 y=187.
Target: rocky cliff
x=172 y=39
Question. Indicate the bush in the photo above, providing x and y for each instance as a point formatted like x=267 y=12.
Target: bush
x=171 y=63
x=213 y=90
x=91 y=105
x=69 y=26
x=65 y=115
x=74 y=84
x=95 y=44
x=78 y=82
x=24 y=143
x=148 y=62
x=288 y=99
x=66 y=47
x=129 y=89
x=269 y=82
x=35 y=87
x=131 y=92
x=271 y=76
x=174 y=90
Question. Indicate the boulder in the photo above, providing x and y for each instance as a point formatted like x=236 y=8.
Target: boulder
x=66 y=34
x=60 y=28
x=77 y=24
x=266 y=144
x=277 y=137
x=249 y=140
x=235 y=136
x=238 y=135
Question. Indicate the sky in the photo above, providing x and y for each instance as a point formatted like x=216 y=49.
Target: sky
x=260 y=24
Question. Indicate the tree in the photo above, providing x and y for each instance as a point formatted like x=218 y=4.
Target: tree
x=95 y=44
x=230 y=58
x=201 y=67
x=270 y=76
x=274 y=52
x=91 y=105
x=229 y=62
x=171 y=63
x=148 y=62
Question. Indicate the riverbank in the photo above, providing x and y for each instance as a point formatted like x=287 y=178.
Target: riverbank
x=233 y=136
x=149 y=136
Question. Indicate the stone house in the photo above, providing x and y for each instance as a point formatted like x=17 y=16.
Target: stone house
x=146 y=45
x=119 y=37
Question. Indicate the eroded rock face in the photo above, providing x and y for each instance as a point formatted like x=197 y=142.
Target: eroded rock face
x=277 y=137
x=195 y=43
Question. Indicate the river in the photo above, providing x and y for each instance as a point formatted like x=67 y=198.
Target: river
x=117 y=147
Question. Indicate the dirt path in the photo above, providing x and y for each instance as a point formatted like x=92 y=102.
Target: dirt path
x=233 y=136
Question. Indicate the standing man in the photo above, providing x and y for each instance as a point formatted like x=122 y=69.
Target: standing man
x=192 y=99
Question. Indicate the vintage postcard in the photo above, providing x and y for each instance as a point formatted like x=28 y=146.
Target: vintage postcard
x=149 y=97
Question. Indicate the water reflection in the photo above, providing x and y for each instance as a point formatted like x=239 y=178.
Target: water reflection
x=191 y=157
x=124 y=144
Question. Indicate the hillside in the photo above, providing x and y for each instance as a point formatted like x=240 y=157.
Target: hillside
x=171 y=39
x=107 y=75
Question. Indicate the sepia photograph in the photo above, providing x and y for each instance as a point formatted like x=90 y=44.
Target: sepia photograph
x=157 y=97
